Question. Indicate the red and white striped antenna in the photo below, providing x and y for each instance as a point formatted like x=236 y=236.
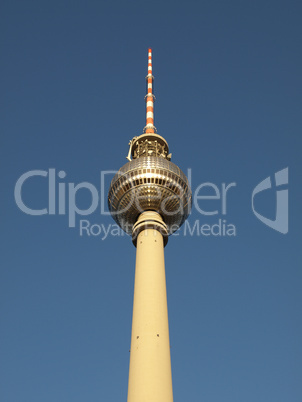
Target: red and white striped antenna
x=149 y=143
x=150 y=98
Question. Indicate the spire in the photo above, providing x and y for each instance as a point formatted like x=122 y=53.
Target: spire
x=149 y=128
x=149 y=143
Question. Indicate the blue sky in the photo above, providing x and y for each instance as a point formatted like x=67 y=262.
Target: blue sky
x=228 y=89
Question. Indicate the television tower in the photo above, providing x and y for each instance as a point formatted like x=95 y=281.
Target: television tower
x=149 y=198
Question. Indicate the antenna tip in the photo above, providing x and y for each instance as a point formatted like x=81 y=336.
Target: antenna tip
x=149 y=50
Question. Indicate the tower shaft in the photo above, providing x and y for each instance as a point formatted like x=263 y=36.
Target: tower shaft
x=150 y=378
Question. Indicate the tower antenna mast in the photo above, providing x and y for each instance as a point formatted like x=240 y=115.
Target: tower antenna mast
x=150 y=98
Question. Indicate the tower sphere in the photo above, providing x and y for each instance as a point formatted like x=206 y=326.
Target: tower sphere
x=150 y=183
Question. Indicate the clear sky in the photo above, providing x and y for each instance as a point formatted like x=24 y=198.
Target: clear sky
x=228 y=101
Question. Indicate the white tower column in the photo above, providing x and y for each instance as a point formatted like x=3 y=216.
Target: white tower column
x=150 y=378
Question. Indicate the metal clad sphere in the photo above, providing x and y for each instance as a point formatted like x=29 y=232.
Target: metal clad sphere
x=149 y=184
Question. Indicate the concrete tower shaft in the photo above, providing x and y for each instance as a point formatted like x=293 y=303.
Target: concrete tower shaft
x=150 y=377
